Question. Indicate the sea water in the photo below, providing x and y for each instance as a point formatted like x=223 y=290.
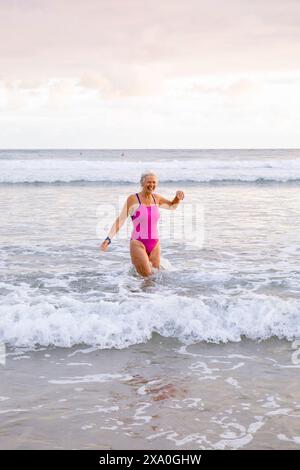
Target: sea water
x=230 y=279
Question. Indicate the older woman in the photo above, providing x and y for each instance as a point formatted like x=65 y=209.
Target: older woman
x=144 y=243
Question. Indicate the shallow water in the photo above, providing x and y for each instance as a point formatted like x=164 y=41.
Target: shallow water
x=158 y=395
x=197 y=356
x=241 y=279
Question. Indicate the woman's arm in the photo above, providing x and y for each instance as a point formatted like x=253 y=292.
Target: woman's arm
x=118 y=223
x=170 y=205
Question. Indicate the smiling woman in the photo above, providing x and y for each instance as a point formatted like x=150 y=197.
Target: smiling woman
x=143 y=207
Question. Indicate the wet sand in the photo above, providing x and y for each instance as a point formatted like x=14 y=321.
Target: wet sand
x=158 y=395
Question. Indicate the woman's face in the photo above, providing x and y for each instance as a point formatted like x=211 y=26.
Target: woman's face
x=150 y=183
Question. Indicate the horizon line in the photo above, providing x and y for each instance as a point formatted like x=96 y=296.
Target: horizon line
x=149 y=149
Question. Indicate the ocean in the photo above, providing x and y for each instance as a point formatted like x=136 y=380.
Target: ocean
x=203 y=354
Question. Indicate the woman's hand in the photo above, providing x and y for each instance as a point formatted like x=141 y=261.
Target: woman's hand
x=180 y=195
x=104 y=245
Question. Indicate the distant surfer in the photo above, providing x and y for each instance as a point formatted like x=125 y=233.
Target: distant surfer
x=144 y=242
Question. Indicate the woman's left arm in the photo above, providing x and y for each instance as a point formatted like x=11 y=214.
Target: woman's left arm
x=171 y=205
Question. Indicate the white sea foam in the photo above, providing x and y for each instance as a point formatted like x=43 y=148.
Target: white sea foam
x=191 y=170
x=66 y=321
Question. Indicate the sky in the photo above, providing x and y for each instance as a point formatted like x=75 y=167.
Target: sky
x=149 y=74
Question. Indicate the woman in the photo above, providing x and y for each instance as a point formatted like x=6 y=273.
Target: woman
x=143 y=207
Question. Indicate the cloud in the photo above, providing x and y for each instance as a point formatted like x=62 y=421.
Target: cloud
x=136 y=82
x=162 y=73
x=133 y=46
x=34 y=95
x=242 y=87
x=228 y=87
x=60 y=94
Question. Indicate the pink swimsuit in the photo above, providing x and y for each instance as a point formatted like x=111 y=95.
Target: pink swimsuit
x=145 y=221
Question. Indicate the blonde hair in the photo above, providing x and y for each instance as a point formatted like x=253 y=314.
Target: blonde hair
x=145 y=174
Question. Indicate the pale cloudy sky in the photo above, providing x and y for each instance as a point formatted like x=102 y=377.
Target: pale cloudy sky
x=149 y=73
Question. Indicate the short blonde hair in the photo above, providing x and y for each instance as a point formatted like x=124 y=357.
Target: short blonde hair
x=145 y=174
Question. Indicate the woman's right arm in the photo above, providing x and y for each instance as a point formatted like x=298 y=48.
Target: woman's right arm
x=118 y=223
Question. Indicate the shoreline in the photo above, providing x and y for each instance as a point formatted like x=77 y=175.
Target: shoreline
x=157 y=395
